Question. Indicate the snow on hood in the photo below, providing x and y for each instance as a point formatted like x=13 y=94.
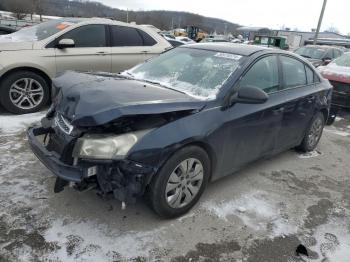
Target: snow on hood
x=335 y=72
x=10 y=43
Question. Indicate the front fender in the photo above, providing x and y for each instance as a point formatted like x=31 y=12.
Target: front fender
x=201 y=128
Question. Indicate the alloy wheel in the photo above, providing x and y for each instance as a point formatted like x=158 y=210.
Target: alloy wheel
x=184 y=183
x=315 y=132
x=26 y=93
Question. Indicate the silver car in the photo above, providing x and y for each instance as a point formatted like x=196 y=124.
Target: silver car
x=31 y=57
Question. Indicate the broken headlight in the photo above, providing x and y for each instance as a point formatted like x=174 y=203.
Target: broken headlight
x=107 y=146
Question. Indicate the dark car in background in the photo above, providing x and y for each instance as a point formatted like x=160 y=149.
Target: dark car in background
x=5 y=30
x=319 y=55
x=178 y=121
x=338 y=74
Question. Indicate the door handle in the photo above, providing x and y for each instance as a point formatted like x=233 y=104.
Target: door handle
x=101 y=53
x=144 y=52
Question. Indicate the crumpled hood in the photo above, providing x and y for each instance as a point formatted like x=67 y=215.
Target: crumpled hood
x=91 y=100
x=9 y=43
x=335 y=73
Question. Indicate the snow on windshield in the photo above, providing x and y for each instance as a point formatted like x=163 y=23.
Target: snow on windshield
x=40 y=31
x=199 y=73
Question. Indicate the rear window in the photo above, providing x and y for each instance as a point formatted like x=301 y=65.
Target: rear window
x=126 y=36
x=147 y=39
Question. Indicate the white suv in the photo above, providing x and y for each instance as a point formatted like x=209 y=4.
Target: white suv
x=31 y=57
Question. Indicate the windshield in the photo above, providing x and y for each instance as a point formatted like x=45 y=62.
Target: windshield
x=196 y=72
x=43 y=30
x=344 y=60
x=311 y=52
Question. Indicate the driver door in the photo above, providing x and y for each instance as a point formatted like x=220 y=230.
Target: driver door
x=90 y=53
x=252 y=129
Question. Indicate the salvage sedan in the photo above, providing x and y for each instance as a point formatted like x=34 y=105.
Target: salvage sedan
x=169 y=126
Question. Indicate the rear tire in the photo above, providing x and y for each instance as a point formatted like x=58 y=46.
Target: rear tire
x=24 y=92
x=313 y=133
x=179 y=184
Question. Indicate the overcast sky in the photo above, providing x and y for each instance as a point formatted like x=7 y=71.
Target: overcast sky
x=301 y=14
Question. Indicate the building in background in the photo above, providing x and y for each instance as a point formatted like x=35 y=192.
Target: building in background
x=296 y=39
x=249 y=32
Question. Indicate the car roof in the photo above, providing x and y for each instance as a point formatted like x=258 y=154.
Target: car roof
x=233 y=48
x=98 y=20
x=323 y=46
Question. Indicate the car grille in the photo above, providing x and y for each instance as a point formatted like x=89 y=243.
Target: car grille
x=340 y=87
x=63 y=124
x=61 y=141
x=341 y=94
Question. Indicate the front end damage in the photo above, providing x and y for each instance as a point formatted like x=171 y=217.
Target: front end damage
x=55 y=144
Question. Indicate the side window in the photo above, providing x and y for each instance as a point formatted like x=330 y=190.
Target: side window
x=147 y=39
x=88 y=36
x=263 y=74
x=309 y=75
x=293 y=72
x=125 y=36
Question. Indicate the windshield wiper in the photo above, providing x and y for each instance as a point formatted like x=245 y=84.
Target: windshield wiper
x=130 y=76
x=159 y=84
x=306 y=56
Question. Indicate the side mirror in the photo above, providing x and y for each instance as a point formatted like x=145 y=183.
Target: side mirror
x=249 y=95
x=65 y=43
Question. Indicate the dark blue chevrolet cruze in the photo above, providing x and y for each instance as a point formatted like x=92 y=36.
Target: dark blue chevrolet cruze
x=170 y=125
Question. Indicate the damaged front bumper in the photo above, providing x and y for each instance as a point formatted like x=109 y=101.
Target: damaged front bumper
x=124 y=178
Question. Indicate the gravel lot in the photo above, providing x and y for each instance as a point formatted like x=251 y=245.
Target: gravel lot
x=259 y=214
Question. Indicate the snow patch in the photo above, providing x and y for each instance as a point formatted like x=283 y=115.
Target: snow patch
x=333 y=241
x=18 y=123
x=311 y=154
x=337 y=132
x=98 y=243
x=256 y=210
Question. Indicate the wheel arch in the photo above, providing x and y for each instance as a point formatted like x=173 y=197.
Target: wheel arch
x=325 y=113
x=206 y=147
x=31 y=69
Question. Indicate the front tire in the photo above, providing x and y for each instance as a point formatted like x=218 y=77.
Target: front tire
x=313 y=133
x=24 y=92
x=179 y=184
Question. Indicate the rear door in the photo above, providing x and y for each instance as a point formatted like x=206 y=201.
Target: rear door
x=298 y=90
x=91 y=52
x=130 y=46
x=252 y=129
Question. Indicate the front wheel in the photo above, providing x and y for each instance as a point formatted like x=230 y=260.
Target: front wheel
x=313 y=133
x=24 y=92
x=178 y=185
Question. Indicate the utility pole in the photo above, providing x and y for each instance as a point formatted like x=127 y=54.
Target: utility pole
x=320 y=21
x=127 y=15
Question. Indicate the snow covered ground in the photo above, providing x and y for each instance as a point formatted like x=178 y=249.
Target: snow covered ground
x=259 y=214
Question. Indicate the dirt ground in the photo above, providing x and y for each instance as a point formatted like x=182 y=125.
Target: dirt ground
x=261 y=213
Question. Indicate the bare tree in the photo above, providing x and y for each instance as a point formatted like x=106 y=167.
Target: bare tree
x=37 y=8
x=332 y=29
x=18 y=7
